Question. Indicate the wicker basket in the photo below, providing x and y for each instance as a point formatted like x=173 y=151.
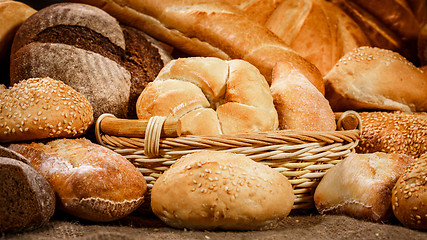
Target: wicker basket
x=302 y=156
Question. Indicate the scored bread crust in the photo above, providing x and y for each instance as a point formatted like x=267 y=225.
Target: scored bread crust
x=235 y=89
x=40 y=108
x=207 y=28
x=91 y=181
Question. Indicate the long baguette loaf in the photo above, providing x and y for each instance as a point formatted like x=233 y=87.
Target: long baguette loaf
x=208 y=28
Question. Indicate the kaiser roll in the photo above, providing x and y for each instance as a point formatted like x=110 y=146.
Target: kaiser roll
x=217 y=190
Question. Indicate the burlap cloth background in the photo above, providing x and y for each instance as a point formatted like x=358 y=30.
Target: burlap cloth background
x=308 y=225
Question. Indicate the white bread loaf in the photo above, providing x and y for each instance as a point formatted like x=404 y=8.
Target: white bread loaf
x=374 y=78
x=360 y=186
x=298 y=103
x=235 y=89
x=40 y=108
x=218 y=190
x=208 y=28
x=91 y=182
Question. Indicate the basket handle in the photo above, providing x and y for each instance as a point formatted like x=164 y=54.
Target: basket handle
x=348 y=120
x=111 y=125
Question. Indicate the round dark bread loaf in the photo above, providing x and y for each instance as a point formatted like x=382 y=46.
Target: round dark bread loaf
x=26 y=199
x=87 y=49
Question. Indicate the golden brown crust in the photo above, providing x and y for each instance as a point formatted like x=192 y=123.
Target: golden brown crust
x=393 y=132
x=206 y=28
x=298 y=103
x=91 y=181
x=216 y=190
x=374 y=78
x=409 y=197
x=317 y=29
x=12 y=15
x=360 y=186
x=41 y=108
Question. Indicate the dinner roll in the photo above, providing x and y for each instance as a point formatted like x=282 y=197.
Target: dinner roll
x=91 y=182
x=235 y=89
x=410 y=195
x=360 y=186
x=40 y=108
x=218 y=190
x=374 y=78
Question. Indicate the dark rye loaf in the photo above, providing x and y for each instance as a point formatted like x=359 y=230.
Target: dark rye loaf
x=87 y=49
x=26 y=199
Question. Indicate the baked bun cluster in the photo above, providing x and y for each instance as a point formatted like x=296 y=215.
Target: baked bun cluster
x=210 y=96
x=40 y=108
x=360 y=186
x=90 y=181
x=217 y=190
x=88 y=49
x=374 y=78
x=410 y=195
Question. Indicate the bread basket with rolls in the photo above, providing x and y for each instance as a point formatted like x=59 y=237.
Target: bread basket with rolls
x=302 y=156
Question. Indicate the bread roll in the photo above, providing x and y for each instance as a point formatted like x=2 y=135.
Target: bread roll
x=209 y=29
x=409 y=197
x=317 y=29
x=40 y=108
x=91 y=182
x=87 y=49
x=235 y=89
x=216 y=190
x=393 y=132
x=360 y=186
x=298 y=103
x=373 y=78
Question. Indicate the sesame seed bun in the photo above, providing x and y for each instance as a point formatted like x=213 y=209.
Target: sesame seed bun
x=393 y=132
x=40 y=108
x=217 y=190
x=409 y=197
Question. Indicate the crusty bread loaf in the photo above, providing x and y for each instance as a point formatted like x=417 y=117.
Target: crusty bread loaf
x=91 y=182
x=410 y=195
x=298 y=103
x=317 y=29
x=40 y=108
x=389 y=24
x=393 y=132
x=257 y=10
x=374 y=78
x=26 y=199
x=422 y=45
x=235 y=89
x=217 y=190
x=360 y=186
x=208 y=28
x=86 y=48
x=12 y=15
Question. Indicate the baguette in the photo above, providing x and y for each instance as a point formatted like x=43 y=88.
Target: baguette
x=208 y=28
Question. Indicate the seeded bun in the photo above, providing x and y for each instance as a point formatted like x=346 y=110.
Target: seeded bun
x=217 y=190
x=90 y=181
x=393 y=132
x=410 y=195
x=40 y=108
x=374 y=78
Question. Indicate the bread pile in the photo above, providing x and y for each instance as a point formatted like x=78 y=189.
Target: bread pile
x=249 y=66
